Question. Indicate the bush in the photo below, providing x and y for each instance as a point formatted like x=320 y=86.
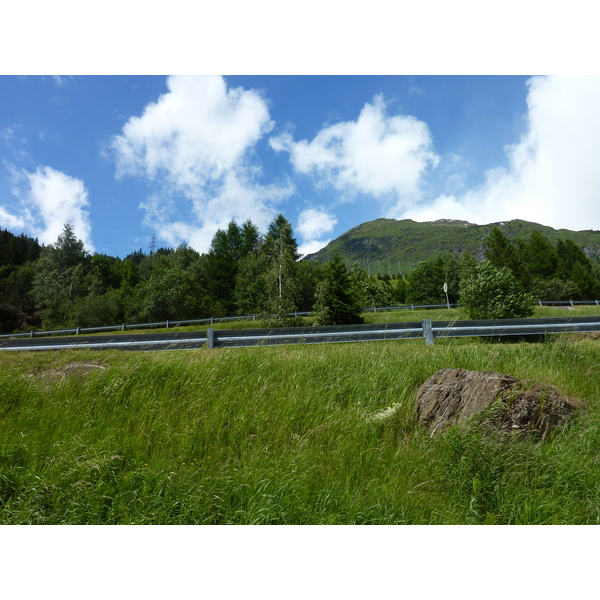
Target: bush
x=495 y=293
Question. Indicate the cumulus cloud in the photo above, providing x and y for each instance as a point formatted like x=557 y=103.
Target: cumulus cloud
x=379 y=155
x=9 y=221
x=553 y=176
x=313 y=223
x=194 y=143
x=48 y=199
x=312 y=246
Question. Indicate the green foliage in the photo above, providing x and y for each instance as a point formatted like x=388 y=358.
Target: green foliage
x=246 y=273
x=538 y=256
x=268 y=281
x=425 y=285
x=336 y=300
x=17 y=250
x=495 y=293
x=281 y=252
x=468 y=267
x=501 y=252
x=59 y=278
x=98 y=310
x=367 y=290
x=221 y=264
x=170 y=294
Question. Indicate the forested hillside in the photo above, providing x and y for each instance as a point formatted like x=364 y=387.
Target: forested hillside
x=246 y=272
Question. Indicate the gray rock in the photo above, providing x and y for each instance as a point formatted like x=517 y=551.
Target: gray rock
x=500 y=402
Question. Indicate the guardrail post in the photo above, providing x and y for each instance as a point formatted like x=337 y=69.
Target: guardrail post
x=210 y=338
x=211 y=320
x=167 y=324
x=540 y=303
x=31 y=333
x=123 y=327
x=77 y=331
x=427 y=331
x=596 y=302
x=571 y=302
x=412 y=306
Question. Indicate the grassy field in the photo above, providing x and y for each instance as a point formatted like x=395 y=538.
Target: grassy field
x=296 y=434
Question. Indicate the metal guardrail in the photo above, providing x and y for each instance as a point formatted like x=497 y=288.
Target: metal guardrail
x=393 y=331
x=212 y=320
x=427 y=329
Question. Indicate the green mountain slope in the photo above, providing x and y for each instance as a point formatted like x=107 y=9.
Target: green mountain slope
x=389 y=245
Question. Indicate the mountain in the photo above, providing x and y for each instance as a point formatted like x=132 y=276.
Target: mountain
x=389 y=245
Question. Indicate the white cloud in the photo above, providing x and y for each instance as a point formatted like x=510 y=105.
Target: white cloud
x=312 y=246
x=313 y=223
x=553 y=176
x=379 y=155
x=195 y=143
x=9 y=221
x=48 y=199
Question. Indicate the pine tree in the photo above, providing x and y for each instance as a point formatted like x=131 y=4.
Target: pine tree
x=281 y=250
x=539 y=257
x=59 y=278
x=336 y=301
x=502 y=253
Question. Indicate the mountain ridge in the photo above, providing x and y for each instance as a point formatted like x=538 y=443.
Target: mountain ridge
x=401 y=244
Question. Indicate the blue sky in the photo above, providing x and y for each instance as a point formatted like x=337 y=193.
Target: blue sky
x=128 y=157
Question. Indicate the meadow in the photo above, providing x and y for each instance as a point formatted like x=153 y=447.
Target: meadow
x=298 y=434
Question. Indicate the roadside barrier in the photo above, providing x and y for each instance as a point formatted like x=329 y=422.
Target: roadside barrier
x=211 y=338
x=212 y=320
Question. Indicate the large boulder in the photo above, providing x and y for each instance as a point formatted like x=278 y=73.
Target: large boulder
x=454 y=396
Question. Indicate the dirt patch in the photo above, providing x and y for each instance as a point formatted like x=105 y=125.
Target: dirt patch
x=503 y=403
x=64 y=372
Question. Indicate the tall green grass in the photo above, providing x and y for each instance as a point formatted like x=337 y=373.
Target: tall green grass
x=294 y=434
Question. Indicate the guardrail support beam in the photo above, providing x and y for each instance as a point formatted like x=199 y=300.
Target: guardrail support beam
x=210 y=338
x=427 y=331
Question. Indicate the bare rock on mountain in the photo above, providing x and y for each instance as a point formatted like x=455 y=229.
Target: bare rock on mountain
x=453 y=396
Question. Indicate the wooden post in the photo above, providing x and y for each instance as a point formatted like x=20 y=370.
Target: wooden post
x=427 y=331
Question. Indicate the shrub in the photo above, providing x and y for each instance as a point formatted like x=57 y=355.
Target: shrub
x=495 y=293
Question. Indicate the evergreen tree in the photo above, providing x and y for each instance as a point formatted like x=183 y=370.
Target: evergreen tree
x=250 y=291
x=222 y=261
x=501 y=253
x=574 y=266
x=281 y=252
x=59 y=278
x=336 y=301
x=539 y=257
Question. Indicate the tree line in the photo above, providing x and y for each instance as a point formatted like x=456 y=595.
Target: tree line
x=246 y=272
